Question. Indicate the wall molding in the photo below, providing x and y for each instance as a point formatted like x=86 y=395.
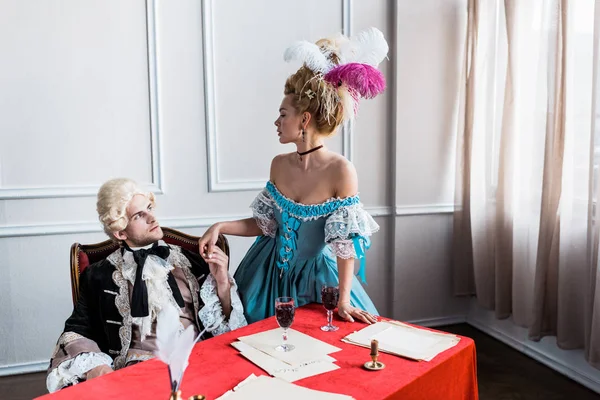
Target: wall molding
x=380 y=211
x=156 y=185
x=570 y=363
x=48 y=192
x=154 y=91
x=95 y=227
x=24 y=368
x=177 y=223
x=348 y=128
x=215 y=184
x=196 y=221
x=439 y=321
x=423 y=209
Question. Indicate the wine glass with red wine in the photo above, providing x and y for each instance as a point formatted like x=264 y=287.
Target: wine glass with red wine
x=329 y=298
x=284 y=312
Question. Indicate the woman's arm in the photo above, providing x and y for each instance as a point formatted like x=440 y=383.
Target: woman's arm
x=241 y=227
x=346 y=273
x=345 y=310
x=348 y=186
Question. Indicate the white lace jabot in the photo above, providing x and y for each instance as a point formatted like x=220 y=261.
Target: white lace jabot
x=155 y=275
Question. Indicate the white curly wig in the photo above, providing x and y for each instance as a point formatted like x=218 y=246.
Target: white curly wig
x=113 y=198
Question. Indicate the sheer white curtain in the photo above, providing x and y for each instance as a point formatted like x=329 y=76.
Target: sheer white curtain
x=526 y=179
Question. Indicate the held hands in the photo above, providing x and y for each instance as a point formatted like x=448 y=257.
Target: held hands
x=216 y=259
x=208 y=241
x=98 y=371
x=217 y=263
x=348 y=312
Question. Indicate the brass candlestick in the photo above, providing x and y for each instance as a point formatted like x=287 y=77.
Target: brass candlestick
x=374 y=365
x=177 y=396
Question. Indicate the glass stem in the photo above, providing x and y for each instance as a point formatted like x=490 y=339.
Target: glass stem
x=329 y=317
x=284 y=337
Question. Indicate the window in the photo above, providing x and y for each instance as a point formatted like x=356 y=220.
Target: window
x=532 y=61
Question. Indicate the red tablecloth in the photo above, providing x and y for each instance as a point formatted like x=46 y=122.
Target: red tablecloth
x=215 y=367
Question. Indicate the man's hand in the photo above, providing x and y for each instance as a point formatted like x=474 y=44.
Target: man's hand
x=218 y=263
x=98 y=371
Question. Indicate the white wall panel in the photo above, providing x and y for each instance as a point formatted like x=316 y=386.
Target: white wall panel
x=76 y=81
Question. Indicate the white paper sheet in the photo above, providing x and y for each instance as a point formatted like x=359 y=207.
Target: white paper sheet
x=279 y=369
x=241 y=346
x=265 y=387
x=404 y=340
x=397 y=340
x=306 y=349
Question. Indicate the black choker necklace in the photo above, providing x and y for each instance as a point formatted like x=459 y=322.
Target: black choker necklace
x=308 y=151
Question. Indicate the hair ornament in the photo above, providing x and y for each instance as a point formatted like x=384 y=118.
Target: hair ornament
x=347 y=64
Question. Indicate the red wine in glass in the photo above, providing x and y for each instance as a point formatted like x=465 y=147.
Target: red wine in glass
x=284 y=313
x=329 y=297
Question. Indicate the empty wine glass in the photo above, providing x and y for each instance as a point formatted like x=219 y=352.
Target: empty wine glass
x=284 y=312
x=329 y=298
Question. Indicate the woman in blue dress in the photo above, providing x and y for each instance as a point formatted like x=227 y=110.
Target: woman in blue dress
x=309 y=220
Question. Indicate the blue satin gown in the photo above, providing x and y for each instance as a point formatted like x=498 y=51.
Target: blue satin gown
x=297 y=253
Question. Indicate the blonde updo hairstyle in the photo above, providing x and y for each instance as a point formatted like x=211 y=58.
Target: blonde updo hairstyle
x=113 y=198
x=312 y=94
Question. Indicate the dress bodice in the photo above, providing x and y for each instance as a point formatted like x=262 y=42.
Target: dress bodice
x=302 y=231
x=309 y=236
x=296 y=255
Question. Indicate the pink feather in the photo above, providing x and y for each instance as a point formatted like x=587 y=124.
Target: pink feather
x=365 y=79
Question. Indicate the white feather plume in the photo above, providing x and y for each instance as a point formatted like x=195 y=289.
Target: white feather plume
x=368 y=47
x=181 y=354
x=173 y=348
x=309 y=54
x=168 y=327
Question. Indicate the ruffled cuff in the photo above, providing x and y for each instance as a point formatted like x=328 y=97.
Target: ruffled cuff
x=343 y=248
x=72 y=371
x=347 y=231
x=262 y=211
x=346 y=224
x=213 y=310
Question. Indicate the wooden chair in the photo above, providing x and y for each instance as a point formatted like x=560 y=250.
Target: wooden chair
x=83 y=255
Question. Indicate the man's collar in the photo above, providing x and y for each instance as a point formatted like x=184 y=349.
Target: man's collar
x=143 y=247
x=159 y=243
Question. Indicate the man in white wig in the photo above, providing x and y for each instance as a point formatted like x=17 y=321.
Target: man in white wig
x=113 y=324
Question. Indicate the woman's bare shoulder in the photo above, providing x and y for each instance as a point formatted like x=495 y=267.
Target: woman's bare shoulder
x=343 y=176
x=279 y=163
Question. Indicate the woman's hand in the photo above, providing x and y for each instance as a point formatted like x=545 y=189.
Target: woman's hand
x=208 y=241
x=348 y=312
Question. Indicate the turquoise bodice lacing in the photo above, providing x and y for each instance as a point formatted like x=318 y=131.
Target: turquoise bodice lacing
x=293 y=214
